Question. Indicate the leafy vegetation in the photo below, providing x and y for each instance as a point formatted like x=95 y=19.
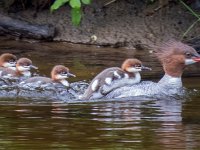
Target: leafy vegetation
x=76 y=13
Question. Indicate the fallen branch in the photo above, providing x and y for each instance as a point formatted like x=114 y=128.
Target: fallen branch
x=19 y=28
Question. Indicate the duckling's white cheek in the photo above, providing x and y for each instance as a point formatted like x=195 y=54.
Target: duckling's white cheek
x=132 y=69
x=189 y=61
x=60 y=77
x=8 y=65
x=20 y=68
x=108 y=81
x=95 y=85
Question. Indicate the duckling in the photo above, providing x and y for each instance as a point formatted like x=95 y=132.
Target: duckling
x=114 y=77
x=59 y=74
x=8 y=60
x=23 y=67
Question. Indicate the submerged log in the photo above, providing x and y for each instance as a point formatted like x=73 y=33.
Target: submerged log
x=19 y=28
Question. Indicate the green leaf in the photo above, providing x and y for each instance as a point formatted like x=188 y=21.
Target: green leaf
x=75 y=3
x=76 y=16
x=86 y=1
x=57 y=4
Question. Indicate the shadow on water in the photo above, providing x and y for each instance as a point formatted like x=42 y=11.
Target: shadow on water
x=135 y=123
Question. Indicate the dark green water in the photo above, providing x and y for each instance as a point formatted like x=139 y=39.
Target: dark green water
x=132 y=124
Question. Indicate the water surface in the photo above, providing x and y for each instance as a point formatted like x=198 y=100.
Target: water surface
x=116 y=124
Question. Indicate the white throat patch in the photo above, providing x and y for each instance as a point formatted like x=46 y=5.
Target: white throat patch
x=189 y=61
x=21 y=68
x=64 y=82
x=26 y=73
x=137 y=77
x=6 y=64
x=168 y=80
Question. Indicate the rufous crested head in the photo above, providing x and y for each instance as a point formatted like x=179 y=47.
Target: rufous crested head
x=175 y=55
x=24 y=64
x=60 y=72
x=8 y=60
x=175 y=48
x=133 y=65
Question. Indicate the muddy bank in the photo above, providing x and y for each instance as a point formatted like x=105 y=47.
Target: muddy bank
x=119 y=24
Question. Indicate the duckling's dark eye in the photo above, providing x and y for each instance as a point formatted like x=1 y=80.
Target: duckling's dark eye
x=63 y=72
x=11 y=61
x=138 y=65
x=188 y=54
x=26 y=65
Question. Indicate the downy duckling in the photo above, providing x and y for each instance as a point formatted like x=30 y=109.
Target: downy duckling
x=114 y=77
x=59 y=74
x=8 y=60
x=23 y=67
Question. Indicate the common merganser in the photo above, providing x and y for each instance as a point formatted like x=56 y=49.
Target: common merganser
x=8 y=60
x=58 y=75
x=114 y=77
x=23 y=67
x=174 y=57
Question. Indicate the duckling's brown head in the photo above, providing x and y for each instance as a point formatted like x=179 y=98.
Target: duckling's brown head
x=8 y=60
x=133 y=65
x=24 y=64
x=60 y=72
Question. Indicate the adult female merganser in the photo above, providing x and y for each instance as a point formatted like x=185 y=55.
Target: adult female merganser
x=23 y=67
x=174 y=56
x=114 y=77
x=8 y=60
x=58 y=75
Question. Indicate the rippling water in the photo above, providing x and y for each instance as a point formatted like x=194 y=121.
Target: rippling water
x=152 y=124
x=116 y=124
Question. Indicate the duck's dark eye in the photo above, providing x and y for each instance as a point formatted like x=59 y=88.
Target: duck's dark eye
x=188 y=55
